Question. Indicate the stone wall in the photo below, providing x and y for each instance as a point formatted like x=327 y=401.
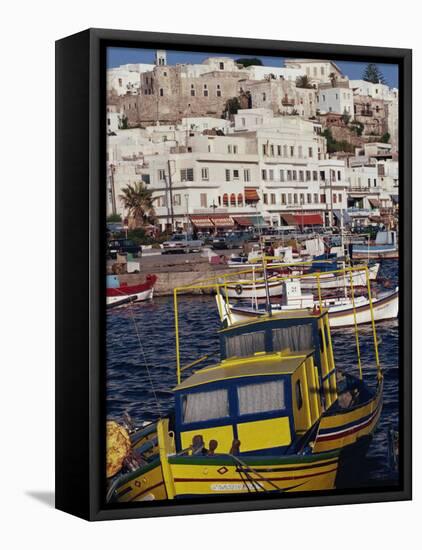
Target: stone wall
x=281 y=96
x=168 y=94
x=372 y=113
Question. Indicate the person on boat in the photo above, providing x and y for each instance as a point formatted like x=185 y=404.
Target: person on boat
x=235 y=448
x=198 y=445
x=213 y=445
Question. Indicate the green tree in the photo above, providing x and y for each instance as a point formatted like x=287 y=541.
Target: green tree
x=357 y=127
x=303 y=82
x=138 y=201
x=232 y=106
x=333 y=146
x=373 y=74
x=114 y=218
x=248 y=61
x=345 y=117
x=124 y=125
x=385 y=138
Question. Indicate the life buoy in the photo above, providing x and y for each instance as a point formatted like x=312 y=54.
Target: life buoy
x=238 y=289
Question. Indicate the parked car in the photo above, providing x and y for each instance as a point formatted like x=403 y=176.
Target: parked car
x=180 y=242
x=123 y=246
x=227 y=241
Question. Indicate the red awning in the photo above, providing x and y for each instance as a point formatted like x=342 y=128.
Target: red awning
x=243 y=220
x=375 y=203
x=222 y=221
x=251 y=194
x=309 y=219
x=201 y=221
x=290 y=219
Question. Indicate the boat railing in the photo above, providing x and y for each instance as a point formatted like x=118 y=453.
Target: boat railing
x=220 y=286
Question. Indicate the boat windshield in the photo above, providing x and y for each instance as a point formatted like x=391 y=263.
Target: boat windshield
x=207 y=405
x=294 y=337
x=260 y=398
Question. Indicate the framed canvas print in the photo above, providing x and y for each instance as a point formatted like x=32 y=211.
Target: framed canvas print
x=233 y=274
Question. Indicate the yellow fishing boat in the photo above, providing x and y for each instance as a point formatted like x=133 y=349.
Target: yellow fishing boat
x=273 y=415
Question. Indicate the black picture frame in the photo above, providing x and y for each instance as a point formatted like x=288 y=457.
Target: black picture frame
x=80 y=281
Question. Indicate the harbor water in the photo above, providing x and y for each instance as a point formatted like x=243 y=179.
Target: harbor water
x=141 y=372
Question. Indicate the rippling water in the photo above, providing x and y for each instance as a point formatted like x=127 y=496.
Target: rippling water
x=146 y=392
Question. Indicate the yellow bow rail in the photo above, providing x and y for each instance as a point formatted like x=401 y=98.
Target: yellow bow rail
x=219 y=284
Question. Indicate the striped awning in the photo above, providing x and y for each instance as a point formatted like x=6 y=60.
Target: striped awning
x=244 y=221
x=201 y=221
x=290 y=219
x=251 y=194
x=222 y=221
x=375 y=203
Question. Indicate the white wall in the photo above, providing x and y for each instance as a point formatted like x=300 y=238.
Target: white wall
x=260 y=72
x=335 y=100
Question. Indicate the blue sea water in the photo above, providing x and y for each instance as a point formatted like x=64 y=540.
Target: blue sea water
x=145 y=393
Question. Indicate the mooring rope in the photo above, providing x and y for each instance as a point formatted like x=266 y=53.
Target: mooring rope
x=141 y=347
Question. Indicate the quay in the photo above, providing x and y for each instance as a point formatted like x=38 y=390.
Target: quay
x=174 y=270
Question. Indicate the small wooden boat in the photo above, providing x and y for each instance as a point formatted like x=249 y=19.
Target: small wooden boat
x=385 y=246
x=255 y=288
x=125 y=294
x=333 y=280
x=273 y=415
x=342 y=312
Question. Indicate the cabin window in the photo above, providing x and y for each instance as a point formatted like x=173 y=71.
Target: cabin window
x=296 y=338
x=259 y=398
x=245 y=344
x=201 y=406
x=298 y=391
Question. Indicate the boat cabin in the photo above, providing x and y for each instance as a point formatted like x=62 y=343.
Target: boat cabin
x=275 y=379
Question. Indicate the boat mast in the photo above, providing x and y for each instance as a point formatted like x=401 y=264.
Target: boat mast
x=267 y=287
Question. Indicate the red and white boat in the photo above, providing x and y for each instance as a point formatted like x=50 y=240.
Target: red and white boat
x=125 y=293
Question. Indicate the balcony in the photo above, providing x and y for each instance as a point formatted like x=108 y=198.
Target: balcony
x=287 y=102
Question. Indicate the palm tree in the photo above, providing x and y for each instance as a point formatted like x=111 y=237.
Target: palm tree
x=138 y=201
x=303 y=82
x=333 y=78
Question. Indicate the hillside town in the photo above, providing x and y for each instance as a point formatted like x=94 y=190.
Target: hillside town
x=231 y=144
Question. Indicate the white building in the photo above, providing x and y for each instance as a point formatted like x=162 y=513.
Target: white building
x=261 y=72
x=317 y=70
x=113 y=122
x=377 y=91
x=211 y=64
x=374 y=182
x=271 y=170
x=126 y=78
x=335 y=100
x=199 y=124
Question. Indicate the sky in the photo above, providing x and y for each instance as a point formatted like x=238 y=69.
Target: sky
x=121 y=56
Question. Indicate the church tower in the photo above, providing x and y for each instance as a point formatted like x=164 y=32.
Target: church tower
x=160 y=58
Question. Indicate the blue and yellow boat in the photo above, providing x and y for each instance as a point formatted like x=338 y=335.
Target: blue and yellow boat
x=273 y=415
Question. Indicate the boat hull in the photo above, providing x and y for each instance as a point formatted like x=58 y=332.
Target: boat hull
x=341 y=315
x=135 y=297
x=201 y=476
x=345 y=428
x=336 y=281
x=245 y=289
x=133 y=293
